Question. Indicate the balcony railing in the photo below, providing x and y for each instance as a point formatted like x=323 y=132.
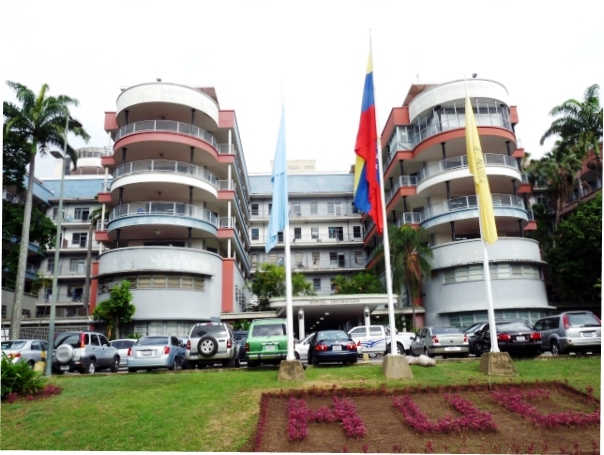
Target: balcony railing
x=163 y=208
x=166 y=166
x=461 y=162
x=325 y=238
x=402 y=181
x=469 y=202
x=409 y=218
x=308 y=263
x=341 y=211
x=167 y=125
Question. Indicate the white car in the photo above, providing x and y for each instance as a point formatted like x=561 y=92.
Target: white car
x=301 y=348
x=122 y=345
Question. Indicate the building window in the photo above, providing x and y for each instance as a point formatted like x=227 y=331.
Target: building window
x=270 y=208
x=358 y=258
x=55 y=214
x=333 y=258
x=254 y=259
x=316 y=283
x=280 y=236
x=272 y=258
x=336 y=233
x=500 y=271
x=298 y=260
x=4 y=311
x=314 y=232
x=334 y=208
x=356 y=232
x=81 y=213
x=314 y=208
x=255 y=234
x=316 y=258
x=333 y=285
x=77 y=266
x=296 y=209
x=297 y=233
x=255 y=209
x=79 y=238
x=50 y=265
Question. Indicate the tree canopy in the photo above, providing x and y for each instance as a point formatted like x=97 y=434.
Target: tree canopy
x=360 y=283
x=117 y=310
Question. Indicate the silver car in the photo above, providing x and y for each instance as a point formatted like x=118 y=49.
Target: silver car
x=301 y=348
x=445 y=340
x=27 y=351
x=571 y=331
x=157 y=351
x=122 y=345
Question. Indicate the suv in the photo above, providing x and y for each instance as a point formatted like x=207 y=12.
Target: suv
x=85 y=352
x=211 y=342
x=571 y=331
x=266 y=341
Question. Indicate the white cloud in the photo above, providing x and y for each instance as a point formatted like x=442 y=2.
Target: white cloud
x=544 y=54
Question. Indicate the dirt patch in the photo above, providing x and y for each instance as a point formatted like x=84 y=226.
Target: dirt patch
x=545 y=418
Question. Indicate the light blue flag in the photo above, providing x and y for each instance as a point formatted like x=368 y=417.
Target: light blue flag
x=279 y=217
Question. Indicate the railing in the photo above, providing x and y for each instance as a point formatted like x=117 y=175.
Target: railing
x=164 y=208
x=167 y=125
x=307 y=263
x=342 y=211
x=461 y=162
x=469 y=202
x=94 y=152
x=167 y=166
x=227 y=149
x=409 y=218
x=402 y=181
x=101 y=225
x=325 y=238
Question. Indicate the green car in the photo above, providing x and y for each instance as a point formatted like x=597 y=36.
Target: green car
x=266 y=341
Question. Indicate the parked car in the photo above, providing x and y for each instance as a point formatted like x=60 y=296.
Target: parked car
x=471 y=333
x=211 y=342
x=123 y=345
x=266 y=341
x=241 y=338
x=332 y=346
x=25 y=351
x=301 y=348
x=571 y=331
x=85 y=352
x=155 y=351
x=515 y=336
x=441 y=340
x=375 y=339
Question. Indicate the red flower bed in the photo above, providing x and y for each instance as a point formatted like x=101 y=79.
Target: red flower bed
x=449 y=419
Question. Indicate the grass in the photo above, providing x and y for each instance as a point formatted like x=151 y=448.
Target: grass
x=215 y=410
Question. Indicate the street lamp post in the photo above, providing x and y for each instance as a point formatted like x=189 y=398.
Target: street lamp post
x=55 y=273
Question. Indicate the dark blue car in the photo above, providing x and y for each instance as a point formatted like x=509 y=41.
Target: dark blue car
x=332 y=346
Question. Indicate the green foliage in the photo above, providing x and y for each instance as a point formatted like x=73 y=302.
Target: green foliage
x=269 y=282
x=241 y=325
x=15 y=158
x=42 y=230
x=576 y=260
x=19 y=378
x=116 y=310
x=361 y=283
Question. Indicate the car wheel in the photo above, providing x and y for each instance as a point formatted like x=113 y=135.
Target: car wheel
x=237 y=362
x=91 y=368
x=207 y=346
x=296 y=355
x=115 y=366
x=555 y=347
x=31 y=364
x=427 y=352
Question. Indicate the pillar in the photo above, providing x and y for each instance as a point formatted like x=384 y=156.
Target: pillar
x=301 y=332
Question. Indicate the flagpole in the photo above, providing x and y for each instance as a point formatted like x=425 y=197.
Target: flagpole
x=485 y=265
x=288 y=296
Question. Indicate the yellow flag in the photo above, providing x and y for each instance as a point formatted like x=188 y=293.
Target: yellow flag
x=481 y=182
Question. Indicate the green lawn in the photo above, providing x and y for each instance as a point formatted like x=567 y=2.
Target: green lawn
x=215 y=410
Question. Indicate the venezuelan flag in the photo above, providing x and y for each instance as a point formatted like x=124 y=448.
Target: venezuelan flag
x=366 y=175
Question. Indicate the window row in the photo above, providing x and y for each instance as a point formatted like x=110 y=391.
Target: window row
x=333 y=232
x=315 y=258
x=465 y=320
x=330 y=208
x=156 y=281
x=499 y=271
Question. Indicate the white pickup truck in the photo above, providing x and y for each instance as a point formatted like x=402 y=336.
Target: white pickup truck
x=375 y=339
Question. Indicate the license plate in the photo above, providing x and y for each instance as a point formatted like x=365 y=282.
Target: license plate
x=64 y=367
x=269 y=348
x=452 y=348
x=336 y=348
x=146 y=353
x=588 y=334
x=520 y=338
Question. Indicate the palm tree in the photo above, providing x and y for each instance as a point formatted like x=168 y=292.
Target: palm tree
x=579 y=125
x=39 y=121
x=409 y=260
x=557 y=170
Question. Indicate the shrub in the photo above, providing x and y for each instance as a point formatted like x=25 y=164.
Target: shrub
x=19 y=378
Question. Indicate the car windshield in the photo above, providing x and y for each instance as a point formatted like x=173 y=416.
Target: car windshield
x=441 y=330
x=268 y=330
x=583 y=320
x=153 y=341
x=201 y=330
x=12 y=345
x=472 y=328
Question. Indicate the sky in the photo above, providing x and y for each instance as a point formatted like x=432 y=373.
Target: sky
x=311 y=54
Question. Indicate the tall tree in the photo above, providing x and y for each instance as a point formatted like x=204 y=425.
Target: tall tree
x=575 y=261
x=116 y=310
x=269 y=282
x=38 y=121
x=410 y=260
x=361 y=283
x=579 y=124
